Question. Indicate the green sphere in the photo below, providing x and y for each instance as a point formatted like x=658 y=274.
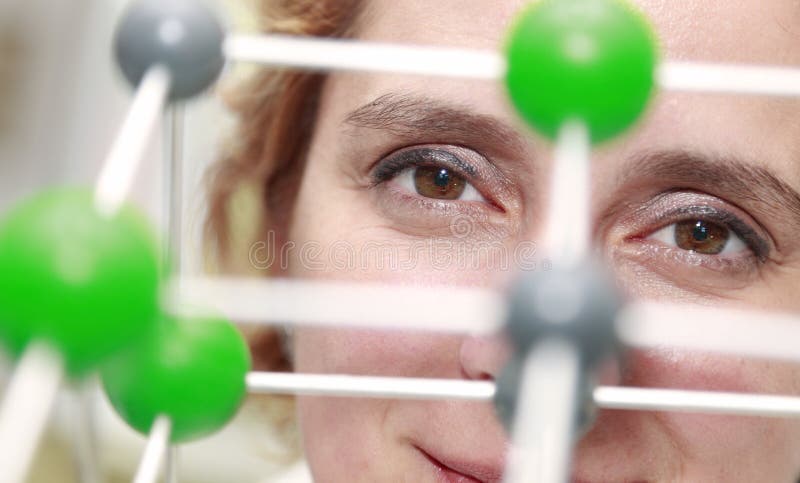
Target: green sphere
x=192 y=371
x=586 y=60
x=86 y=283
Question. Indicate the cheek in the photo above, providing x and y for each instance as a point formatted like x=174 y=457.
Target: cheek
x=680 y=369
x=383 y=353
x=328 y=425
x=712 y=442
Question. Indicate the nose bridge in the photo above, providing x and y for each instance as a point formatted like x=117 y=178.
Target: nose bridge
x=483 y=357
x=535 y=220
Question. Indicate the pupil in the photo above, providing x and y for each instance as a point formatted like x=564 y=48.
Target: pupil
x=442 y=178
x=701 y=236
x=700 y=232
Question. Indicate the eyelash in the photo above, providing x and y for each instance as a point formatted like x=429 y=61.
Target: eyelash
x=738 y=227
x=390 y=167
x=397 y=165
x=406 y=179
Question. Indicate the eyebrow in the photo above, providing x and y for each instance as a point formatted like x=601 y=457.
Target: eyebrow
x=418 y=117
x=740 y=180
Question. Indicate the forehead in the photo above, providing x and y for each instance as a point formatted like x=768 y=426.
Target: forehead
x=760 y=31
x=742 y=31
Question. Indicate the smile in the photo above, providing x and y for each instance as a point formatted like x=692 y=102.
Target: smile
x=460 y=472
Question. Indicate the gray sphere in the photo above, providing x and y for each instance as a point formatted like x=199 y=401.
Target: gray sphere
x=183 y=35
x=579 y=305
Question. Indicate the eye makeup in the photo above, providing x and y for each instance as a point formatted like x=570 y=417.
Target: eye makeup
x=701 y=236
x=741 y=248
x=677 y=205
x=419 y=157
x=495 y=190
x=755 y=242
x=635 y=236
x=407 y=190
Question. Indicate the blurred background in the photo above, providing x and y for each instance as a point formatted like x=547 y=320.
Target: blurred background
x=61 y=103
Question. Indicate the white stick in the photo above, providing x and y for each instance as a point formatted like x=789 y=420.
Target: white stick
x=748 y=333
x=173 y=215
x=465 y=310
x=569 y=219
x=173 y=189
x=329 y=54
x=609 y=397
x=544 y=421
x=25 y=410
x=367 y=386
x=730 y=78
x=155 y=451
x=646 y=399
x=84 y=432
x=120 y=166
x=171 y=471
x=336 y=54
x=334 y=304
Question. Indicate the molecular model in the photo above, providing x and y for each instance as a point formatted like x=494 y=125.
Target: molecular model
x=84 y=289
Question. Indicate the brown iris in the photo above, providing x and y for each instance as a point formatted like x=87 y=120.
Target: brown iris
x=439 y=183
x=701 y=236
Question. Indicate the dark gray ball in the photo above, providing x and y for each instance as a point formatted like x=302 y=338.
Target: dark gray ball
x=579 y=305
x=183 y=35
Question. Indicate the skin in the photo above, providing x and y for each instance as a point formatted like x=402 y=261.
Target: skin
x=380 y=440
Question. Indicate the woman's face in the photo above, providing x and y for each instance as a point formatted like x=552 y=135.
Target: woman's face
x=435 y=181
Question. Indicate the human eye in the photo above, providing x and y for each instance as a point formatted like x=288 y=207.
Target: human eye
x=431 y=173
x=702 y=236
x=696 y=240
x=438 y=183
x=423 y=190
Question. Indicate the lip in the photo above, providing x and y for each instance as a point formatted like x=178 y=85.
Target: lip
x=461 y=471
x=451 y=470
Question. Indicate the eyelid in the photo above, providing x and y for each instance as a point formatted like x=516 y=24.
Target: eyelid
x=478 y=171
x=405 y=178
x=667 y=234
x=395 y=163
x=653 y=210
x=740 y=228
x=755 y=242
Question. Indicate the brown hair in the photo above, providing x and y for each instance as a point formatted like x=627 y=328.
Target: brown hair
x=258 y=174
